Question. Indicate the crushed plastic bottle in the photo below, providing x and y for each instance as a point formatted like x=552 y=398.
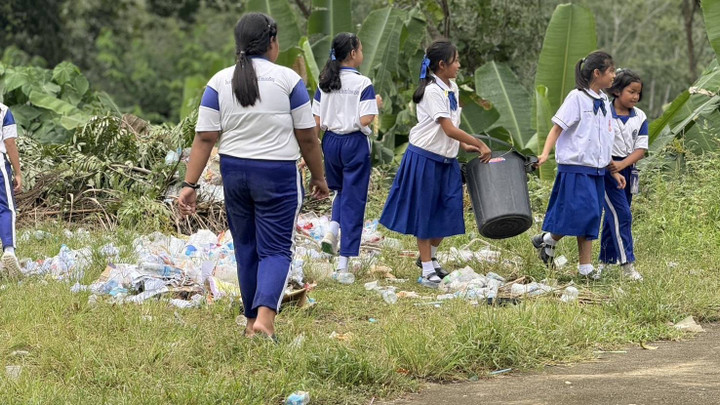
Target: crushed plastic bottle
x=389 y=296
x=570 y=294
x=109 y=250
x=298 y=398
x=343 y=277
x=373 y=285
x=160 y=270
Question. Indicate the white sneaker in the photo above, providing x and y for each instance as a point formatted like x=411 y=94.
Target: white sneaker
x=630 y=272
x=11 y=264
x=598 y=271
x=329 y=243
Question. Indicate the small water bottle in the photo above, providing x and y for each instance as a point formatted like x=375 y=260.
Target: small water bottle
x=389 y=296
x=343 y=277
x=634 y=180
x=298 y=398
x=160 y=269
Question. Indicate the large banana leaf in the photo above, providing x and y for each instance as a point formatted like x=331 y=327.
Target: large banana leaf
x=380 y=34
x=330 y=17
x=313 y=72
x=658 y=126
x=543 y=118
x=284 y=15
x=476 y=118
x=321 y=50
x=696 y=109
x=410 y=44
x=498 y=84
x=570 y=36
x=711 y=13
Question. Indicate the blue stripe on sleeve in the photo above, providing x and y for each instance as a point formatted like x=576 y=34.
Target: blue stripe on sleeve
x=299 y=95
x=644 y=128
x=210 y=99
x=368 y=93
x=317 y=95
x=9 y=119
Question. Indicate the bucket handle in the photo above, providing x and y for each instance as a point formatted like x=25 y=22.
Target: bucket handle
x=530 y=161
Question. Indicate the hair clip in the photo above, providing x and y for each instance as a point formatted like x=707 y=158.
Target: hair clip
x=332 y=54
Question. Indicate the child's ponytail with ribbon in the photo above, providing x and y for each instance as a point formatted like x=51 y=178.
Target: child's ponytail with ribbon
x=439 y=50
x=342 y=45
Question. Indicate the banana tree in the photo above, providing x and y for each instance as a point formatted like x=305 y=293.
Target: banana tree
x=496 y=83
x=700 y=104
x=570 y=36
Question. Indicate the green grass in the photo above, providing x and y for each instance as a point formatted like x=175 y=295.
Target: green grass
x=154 y=353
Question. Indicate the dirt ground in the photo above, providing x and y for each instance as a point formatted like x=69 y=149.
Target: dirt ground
x=686 y=373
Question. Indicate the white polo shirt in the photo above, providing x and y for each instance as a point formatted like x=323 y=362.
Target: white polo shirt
x=9 y=128
x=427 y=133
x=340 y=110
x=587 y=137
x=265 y=130
x=631 y=132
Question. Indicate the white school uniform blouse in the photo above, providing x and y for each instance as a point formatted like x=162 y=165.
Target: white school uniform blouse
x=340 y=110
x=427 y=133
x=587 y=137
x=631 y=132
x=9 y=128
x=265 y=130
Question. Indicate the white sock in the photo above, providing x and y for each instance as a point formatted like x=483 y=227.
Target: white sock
x=433 y=250
x=428 y=269
x=342 y=263
x=334 y=227
x=585 y=269
x=549 y=240
x=10 y=249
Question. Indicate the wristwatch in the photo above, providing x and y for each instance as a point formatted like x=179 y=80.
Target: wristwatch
x=193 y=186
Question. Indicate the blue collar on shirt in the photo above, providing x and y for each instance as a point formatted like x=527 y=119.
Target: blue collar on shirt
x=350 y=69
x=259 y=57
x=615 y=115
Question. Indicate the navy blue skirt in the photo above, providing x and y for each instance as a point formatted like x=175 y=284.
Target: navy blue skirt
x=426 y=198
x=576 y=202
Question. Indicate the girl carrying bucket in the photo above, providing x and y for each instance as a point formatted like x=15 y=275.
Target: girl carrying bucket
x=426 y=197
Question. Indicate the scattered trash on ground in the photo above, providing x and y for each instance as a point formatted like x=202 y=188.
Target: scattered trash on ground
x=503 y=371
x=298 y=398
x=13 y=372
x=689 y=325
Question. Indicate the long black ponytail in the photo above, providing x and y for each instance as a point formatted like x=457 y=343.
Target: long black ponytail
x=253 y=34
x=342 y=45
x=585 y=67
x=439 y=50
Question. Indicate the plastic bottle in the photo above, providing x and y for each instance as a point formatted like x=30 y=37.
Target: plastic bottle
x=389 y=296
x=570 y=294
x=343 y=277
x=159 y=269
x=298 y=398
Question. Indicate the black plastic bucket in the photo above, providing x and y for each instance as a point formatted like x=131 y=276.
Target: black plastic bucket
x=499 y=194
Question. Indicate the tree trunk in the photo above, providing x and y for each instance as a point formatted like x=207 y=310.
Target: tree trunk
x=689 y=7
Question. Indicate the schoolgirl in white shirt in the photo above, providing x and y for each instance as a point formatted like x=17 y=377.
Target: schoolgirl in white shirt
x=584 y=135
x=260 y=113
x=631 y=143
x=344 y=106
x=426 y=196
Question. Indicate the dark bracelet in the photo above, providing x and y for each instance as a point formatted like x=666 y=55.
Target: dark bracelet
x=193 y=186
